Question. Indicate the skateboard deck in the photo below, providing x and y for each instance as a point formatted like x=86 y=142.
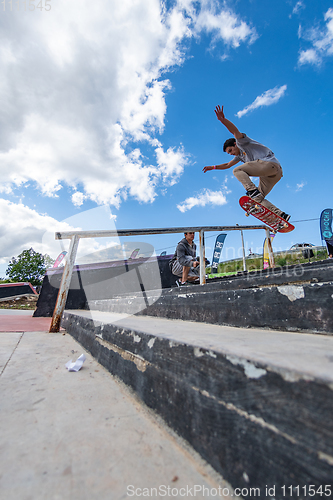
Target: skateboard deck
x=262 y=213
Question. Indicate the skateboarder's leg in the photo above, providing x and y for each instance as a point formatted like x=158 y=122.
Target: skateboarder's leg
x=269 y=174
x=266 y=184
x=271 y=207
x=243 y=173
x=258 y=168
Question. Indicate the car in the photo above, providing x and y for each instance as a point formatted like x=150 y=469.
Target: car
x=305 y=248
x=300 y=246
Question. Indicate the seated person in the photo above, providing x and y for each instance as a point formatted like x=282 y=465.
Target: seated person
x=184 y=262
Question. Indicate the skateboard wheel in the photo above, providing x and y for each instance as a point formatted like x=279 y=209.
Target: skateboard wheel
x=247 y=214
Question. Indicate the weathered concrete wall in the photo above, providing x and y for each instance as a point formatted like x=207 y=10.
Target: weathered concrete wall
x=103 y=281
x=294 y=298
x=313 y=272
x=255 y=423
x=136 y=288
x=296 y=307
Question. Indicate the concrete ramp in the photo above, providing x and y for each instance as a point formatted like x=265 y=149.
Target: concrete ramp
x=13 y=290
x=256 y=404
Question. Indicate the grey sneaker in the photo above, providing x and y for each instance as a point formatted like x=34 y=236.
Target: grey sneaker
x=255 y=194
x=285 y=216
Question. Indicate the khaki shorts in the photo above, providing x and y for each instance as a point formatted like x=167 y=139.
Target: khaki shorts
x=177 y=270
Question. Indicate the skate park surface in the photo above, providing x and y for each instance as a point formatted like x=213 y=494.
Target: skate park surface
x=81 y=434
x=242 y=393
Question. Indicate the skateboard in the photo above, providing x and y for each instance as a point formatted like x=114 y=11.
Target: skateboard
x=262 y=213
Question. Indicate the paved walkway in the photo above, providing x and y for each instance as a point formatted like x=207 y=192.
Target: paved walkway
x=66 y=435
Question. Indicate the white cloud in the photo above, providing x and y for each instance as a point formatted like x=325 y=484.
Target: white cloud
x=225 y=25
x=300 y=186
x=308 y=56
x=78 y=198
x=266 y=99
x=171 y=164
x=206 y=197
x=298 y=7
x=83 y=92
x=321 y=40
x=22 y=228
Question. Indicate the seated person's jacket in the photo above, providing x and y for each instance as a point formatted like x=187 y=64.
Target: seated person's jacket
x=185 y=253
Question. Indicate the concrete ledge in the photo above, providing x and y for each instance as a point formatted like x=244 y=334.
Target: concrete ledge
x=256 y=404
x=304 y=307
x=312 y=272
x=109 y=280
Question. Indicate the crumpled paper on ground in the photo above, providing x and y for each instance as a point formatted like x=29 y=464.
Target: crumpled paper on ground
x=77 y=365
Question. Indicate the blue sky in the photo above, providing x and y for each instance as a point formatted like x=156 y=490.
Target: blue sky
x=110 y=106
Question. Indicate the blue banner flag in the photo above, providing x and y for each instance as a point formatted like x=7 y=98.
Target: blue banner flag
x=326 y=224
x=217 y=252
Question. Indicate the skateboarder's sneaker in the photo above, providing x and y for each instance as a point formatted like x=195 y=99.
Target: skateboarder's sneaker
x=285 y=216
x=180 y=283
x=255 y=194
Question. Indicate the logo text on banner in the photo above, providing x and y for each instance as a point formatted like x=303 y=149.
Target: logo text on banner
x=217 y=251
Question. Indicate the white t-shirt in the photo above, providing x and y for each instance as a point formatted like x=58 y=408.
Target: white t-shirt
x=252 y=150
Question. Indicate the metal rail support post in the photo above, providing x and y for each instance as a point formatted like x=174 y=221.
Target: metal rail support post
x=202 y=257
x=270 y=248
x=243 y=250
x=64 y=286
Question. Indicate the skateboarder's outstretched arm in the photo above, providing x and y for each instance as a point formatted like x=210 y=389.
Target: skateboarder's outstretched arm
x=227 y=123
x=223 y=166
x=234 y=131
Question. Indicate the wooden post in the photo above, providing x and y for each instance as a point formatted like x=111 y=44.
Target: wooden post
x=64 y=286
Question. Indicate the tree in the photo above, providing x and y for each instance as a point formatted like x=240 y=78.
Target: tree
x=29 y=266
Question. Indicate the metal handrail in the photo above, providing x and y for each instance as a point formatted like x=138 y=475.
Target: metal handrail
x=75 y=236
x=63 y=235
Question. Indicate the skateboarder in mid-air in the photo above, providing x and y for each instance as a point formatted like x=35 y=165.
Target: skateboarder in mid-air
x=258 y=161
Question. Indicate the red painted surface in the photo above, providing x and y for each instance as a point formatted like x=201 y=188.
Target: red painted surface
x=18 y=323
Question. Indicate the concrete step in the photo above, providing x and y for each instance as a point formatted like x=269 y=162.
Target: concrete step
x=103 y=281
x=304 y=307
x=256 y=404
